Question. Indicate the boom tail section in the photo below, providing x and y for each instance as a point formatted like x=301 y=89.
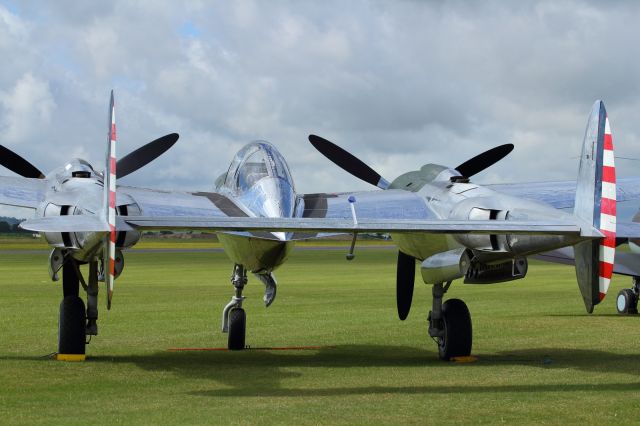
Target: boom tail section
x=595 y=203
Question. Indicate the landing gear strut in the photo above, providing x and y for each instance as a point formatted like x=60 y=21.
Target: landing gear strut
x=234 y=319
x=450 y=324
x=92 y=300
x=627 y=300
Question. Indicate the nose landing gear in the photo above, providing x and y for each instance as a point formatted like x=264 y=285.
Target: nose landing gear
x=234 y=319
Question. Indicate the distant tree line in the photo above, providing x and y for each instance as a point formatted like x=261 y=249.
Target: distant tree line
x=10 y=225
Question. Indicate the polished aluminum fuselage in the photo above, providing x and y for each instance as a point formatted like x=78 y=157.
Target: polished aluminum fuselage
x=260 y=184
x=447 y=196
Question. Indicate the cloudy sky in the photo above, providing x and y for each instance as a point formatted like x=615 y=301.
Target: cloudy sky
x=398 y=83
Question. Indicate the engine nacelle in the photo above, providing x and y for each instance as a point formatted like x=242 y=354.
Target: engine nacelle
x=484 y=242
x=515 y=245
x=85 y=242
x=126 y=239
x=85 y=245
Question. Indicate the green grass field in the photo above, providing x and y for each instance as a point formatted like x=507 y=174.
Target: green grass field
x=541 y=359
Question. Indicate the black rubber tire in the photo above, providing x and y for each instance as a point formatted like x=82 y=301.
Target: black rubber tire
x=72 y=326
x=237 y=328
x=627 y=302
x=458 y=332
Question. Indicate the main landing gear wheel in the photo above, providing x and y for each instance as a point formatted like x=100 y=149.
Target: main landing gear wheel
x=627 y=302
x=449 y=324
x=73 y=321
x=456 y=339
x=237 y=328
x=72 y=326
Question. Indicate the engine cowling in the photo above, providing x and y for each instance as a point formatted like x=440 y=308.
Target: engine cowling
x=126 y=239
x=512 y=245
x=86 y=244
x=71 y=240
x=484 y=242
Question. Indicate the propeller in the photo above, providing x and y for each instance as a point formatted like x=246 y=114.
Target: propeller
x=405 y=277
x=405 y=272
x=485 y=160
x=348 y=162
x=145 y=154
x=357 y=168
x=19 y=165
x=109 y=248
x=127 y=165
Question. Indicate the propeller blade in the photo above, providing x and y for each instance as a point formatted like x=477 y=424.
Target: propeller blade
x=145 y=154
x=109 y=205
x=485 y=160
x=405 y=277
x=19 y=165
x=348 y=162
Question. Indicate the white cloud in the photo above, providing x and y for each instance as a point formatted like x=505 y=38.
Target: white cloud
x=12 y=28
x=27 y=106
x=398 y=83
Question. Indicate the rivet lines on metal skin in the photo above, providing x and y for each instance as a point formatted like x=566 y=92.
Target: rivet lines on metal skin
x=607 y=213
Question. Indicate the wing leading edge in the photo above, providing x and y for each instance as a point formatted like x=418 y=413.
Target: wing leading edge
x=363 y=226
x=22 y=192
x=66 y=223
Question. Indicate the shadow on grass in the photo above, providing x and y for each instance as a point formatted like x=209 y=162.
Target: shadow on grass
x=261 y=373
x=414 y=390
x=585 y=315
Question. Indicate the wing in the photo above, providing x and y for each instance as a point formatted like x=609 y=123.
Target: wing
x=22 y=192
x=158 y=203
x=163 y=210
x=626 y=263
x=561 y=195
x=390 y=211
x=232 y=224
x=389 y=204
x=362 y=226
x=198 y=205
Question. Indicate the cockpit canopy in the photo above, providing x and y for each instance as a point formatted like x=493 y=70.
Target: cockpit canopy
x=254 y=162
x=76 y=168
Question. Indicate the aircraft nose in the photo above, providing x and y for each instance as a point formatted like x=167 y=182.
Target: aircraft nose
x=277 y=200
x=282 y=236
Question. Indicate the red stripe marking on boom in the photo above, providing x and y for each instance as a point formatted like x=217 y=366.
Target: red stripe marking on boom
x=609 y=174
x=607 y=213
x=608 y=206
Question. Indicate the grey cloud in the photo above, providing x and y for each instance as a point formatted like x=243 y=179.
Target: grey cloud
x=398 y=83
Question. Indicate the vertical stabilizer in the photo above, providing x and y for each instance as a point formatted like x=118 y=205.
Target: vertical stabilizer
x=596 y=204
x=110 y=205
